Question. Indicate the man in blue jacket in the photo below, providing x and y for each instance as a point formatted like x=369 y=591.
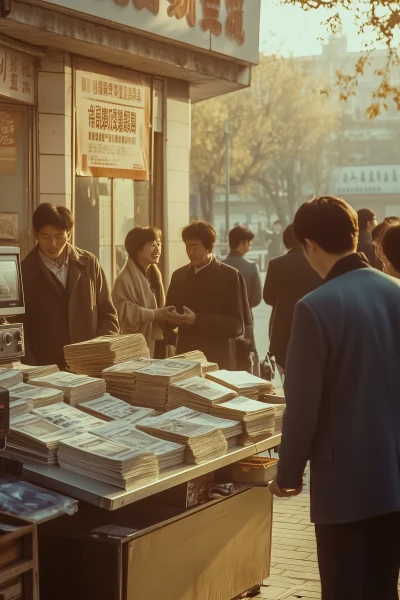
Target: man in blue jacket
x=343 y=408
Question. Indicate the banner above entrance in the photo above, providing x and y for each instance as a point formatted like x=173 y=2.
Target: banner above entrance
x=227 y=27
x=17 y=75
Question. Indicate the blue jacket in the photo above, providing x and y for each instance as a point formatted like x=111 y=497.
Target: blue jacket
x=342 y=387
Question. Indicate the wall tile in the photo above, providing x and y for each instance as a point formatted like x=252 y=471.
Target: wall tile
x=177 y=159
x=55 y=93
x=54 y=134
x=178 y=134
x=55 y=174
x=177 y=218
x=178 y=110
x=177 y=186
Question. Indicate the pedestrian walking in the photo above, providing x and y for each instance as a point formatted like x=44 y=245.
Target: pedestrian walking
x=343 y=413
x=138 y=291
x=366 y=223
x=210 y=300
x=67 y=299
x=275 y=247
x=289 y=278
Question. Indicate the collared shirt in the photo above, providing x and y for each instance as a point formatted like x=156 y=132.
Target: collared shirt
x=198 y=269
x=60 y=272
x=352 y=262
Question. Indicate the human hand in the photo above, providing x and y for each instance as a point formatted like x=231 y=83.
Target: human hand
x=283 y=493
x=161 y=314
x=187 y=318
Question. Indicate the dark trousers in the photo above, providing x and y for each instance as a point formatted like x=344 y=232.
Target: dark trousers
x=360 y=561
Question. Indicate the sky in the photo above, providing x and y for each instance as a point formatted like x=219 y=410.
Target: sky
x=290 y=30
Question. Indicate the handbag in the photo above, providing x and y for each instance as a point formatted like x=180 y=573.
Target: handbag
x=245 y=354
x=268 y=367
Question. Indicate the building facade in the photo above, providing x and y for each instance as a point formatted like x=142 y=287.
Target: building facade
x=95 y=111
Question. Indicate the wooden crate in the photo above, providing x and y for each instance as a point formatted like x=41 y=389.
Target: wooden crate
x=18 y=560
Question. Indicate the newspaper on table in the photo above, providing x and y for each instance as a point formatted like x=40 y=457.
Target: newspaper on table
x=152 y=381
x=9 y=377
x=93 y=356
x=31 y=371
x=107 y=461
x=39 y=396
x=121 y=379
x=197 y=393
x=35 y=438
x=203 y=443
x=20 y=407
x=63 y=415
x=258 y=418
x=198 y=356
x=242 y=382
x=229 y=427
x=76 y=388
x=124 y=431
x=109 y=408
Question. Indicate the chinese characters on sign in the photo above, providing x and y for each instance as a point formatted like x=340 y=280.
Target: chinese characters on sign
x=9 y=122
x=112 y=126
x=17 y=72
x=367 y=180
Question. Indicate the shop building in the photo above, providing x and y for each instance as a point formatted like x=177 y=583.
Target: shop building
x=95 y=107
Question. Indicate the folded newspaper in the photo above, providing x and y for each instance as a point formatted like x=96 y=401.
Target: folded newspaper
x=76 y=388
x=258 y=418
x=121 y=379
x=229 y=427
x=109 y=408
x=30 y=371
x=198 y=356
x=39 y=396
x=242 y=382
x=197 y=393
x=63 y=415
x=9 y=377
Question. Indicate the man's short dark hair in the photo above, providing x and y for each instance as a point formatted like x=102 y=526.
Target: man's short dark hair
x=365 y=216
x=200 y=230
x=289 y=239
x=56 y=216
x=328 y=221
x=138 y=237
x=391 y=245
x=239 y=234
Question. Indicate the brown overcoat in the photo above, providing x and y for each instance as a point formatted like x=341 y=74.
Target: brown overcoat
x=56 y=316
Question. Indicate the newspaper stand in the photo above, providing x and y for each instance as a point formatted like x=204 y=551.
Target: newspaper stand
x=146 y=543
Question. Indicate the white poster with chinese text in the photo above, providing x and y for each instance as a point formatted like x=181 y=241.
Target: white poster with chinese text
x=17 y=75
x=113 y=125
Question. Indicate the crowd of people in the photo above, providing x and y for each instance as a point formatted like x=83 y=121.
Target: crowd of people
x=334 y=333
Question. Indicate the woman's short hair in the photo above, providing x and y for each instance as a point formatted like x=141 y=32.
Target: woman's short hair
x=202 y=231
x=391 y=245
x=138 y=237
x=379 y=230
x=329 y=222
x=56 y=216
x=290 y=241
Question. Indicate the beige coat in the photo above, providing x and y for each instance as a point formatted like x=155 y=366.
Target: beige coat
x=135 y=303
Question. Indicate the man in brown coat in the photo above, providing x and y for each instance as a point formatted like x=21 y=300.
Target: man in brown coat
x=67 y=299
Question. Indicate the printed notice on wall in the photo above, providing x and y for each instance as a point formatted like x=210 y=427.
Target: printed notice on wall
x=9 y=122
x=113 y=126
x=17 y=75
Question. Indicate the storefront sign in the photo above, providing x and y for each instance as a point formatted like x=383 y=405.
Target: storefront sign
x=9 y=122
x=17 y=75
x=229 y=27
x=113 y=126
x=355 y=181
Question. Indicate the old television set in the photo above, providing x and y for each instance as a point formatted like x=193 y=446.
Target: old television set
x=11 y=291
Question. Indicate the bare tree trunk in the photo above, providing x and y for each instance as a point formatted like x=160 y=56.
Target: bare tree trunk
x=206 y=201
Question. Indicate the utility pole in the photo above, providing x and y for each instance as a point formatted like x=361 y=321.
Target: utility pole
x=228 y=134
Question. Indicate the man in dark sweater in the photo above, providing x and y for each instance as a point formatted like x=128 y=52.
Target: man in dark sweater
x=210 y=300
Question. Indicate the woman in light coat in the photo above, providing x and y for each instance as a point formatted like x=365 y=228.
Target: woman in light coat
x=138 y=292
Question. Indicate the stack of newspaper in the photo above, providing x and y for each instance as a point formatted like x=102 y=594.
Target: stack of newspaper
x=198 y=356
x=63 y=415
x=121 y=379
x=108 y=461
x=152 y=382
x=242 y=382
x=258 y=418
x=36 y=438
x=230 y=428
x=9 y=377
x=39 y=396
x=279 y=412
x=197 y=393
x=76 y=388
x=93 y=356
x=20 y=407
x=109 y=408
x=203 y=443
x=124 y=432
x=30 y=372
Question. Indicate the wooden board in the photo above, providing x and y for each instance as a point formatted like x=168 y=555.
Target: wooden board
x=215 y=554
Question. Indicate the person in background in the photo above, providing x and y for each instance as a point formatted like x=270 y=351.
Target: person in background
x=210 y=299
x=289 y=278
x=138 y=291
x=275 y=247
x=67 y=299
x=342 y=408
x=240 y=242
x=366 y=223
x=390 y=245
x=377 y=234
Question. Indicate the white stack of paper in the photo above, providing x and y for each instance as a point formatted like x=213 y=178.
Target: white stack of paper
x=31 y=372
x=39 y=396
x=9 y=377
x=20 y=407
x=35 y=438
x=76 y=388
x=152 y=381
x=279 y=412
x=125 y=432
x=93 y=356
x=242 y=382
x=257 y=417
x=121 y=379
x=197 y=393
x=230 y=428
x=106 y=461
x=63 y=415
x=109 y=408
x=198 y=356
x=203 y=443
